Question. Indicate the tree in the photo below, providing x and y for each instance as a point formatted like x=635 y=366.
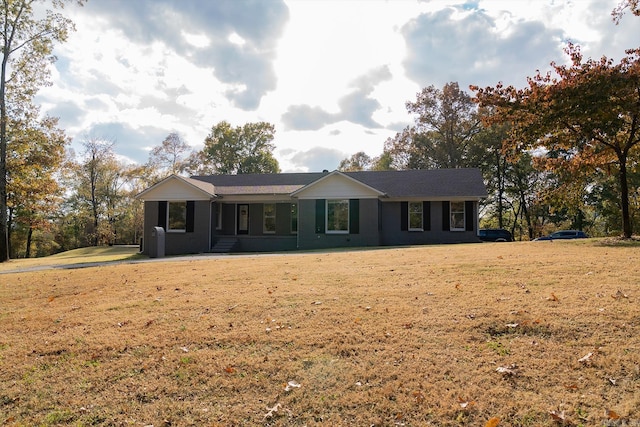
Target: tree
x=27 y=45
x=170 y=156
x=240 y=150
x=446 y=122
x=357 y=162
x=33 y=191
x=632 y=5
x=495 y=165
x=98 y=184
x=588 y=114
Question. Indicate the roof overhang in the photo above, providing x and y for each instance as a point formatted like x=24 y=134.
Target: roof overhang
x=337 y=185
x=175 y=187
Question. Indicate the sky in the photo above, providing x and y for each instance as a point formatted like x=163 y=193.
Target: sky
x=333 y=76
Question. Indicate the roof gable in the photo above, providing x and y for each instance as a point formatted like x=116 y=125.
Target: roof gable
x=176 y=187
x=338 y=186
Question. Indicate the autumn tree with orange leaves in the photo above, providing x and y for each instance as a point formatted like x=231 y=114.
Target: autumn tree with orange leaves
x=583 y=115
x=631 y=5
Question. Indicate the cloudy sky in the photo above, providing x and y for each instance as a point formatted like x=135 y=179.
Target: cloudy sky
x=333 y=76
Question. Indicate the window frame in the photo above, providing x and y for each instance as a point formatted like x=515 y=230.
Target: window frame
x=344 y=212
x=419 y=212
x=453 y=213
x=265 y=217
x=170 y=222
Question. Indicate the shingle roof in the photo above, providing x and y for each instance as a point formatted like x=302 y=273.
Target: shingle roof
x=420 y=183
x=433 y=183
x=204 y=186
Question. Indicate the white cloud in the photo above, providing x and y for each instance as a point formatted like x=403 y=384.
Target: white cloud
x=197 y=40
x=333 y=76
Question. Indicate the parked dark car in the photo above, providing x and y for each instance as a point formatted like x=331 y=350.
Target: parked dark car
x=564 y=234
x=495 y=235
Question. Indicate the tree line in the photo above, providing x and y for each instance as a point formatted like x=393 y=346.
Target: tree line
x=89 y=196
x=562 y=152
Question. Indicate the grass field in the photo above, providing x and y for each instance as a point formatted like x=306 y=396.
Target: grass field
x=522 y=334
x=76 y=256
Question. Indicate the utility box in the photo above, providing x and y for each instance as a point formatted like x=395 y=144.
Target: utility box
x=156 y=245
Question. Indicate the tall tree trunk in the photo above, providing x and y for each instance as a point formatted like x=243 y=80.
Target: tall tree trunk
x=27 y=253
x=624 y=197
x=4 y=220
x=94 y=202
x=9 y=228
x=500 y=163
x=526 y=214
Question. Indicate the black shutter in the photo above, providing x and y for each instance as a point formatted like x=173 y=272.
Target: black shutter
x=446 y=220
x=162 y=214
x=404 y=216
x=469 y=216
x=190 y=216
x=426 y=216
x=320 y=216
x=354 y=216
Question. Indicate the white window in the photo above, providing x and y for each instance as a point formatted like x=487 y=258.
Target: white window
x=457 y=216
x=269 y=218
x=337 y=216
x=294 y=218
x=177 y=216
x=416 y=216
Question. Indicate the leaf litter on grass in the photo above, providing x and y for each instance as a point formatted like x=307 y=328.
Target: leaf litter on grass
x=419 y=348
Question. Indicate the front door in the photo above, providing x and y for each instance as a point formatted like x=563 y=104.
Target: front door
x=243 y=219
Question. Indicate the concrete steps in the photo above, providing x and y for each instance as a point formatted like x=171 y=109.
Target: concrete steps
x=224 y=245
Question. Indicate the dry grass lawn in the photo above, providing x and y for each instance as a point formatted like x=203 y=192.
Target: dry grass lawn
x=75 y=257
x=522 y=334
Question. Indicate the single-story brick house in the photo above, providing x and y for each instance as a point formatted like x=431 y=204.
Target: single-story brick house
x=290 y=211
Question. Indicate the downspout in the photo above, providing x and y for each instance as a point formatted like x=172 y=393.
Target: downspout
x=477 y=213
x=210 y=223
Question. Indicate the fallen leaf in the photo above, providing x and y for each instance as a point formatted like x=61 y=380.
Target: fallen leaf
x=492 y=422
x=510 y=370
x=51 y=299
x=612 y=415
x=560 y=417
x=553 y=297
x=291 y=385
x=512 y=325
x=619 y=295
x=571 y=387
x=272 y=411
x=230 y=369
x=557 y=416
x=465 y=404
x=585 y=358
